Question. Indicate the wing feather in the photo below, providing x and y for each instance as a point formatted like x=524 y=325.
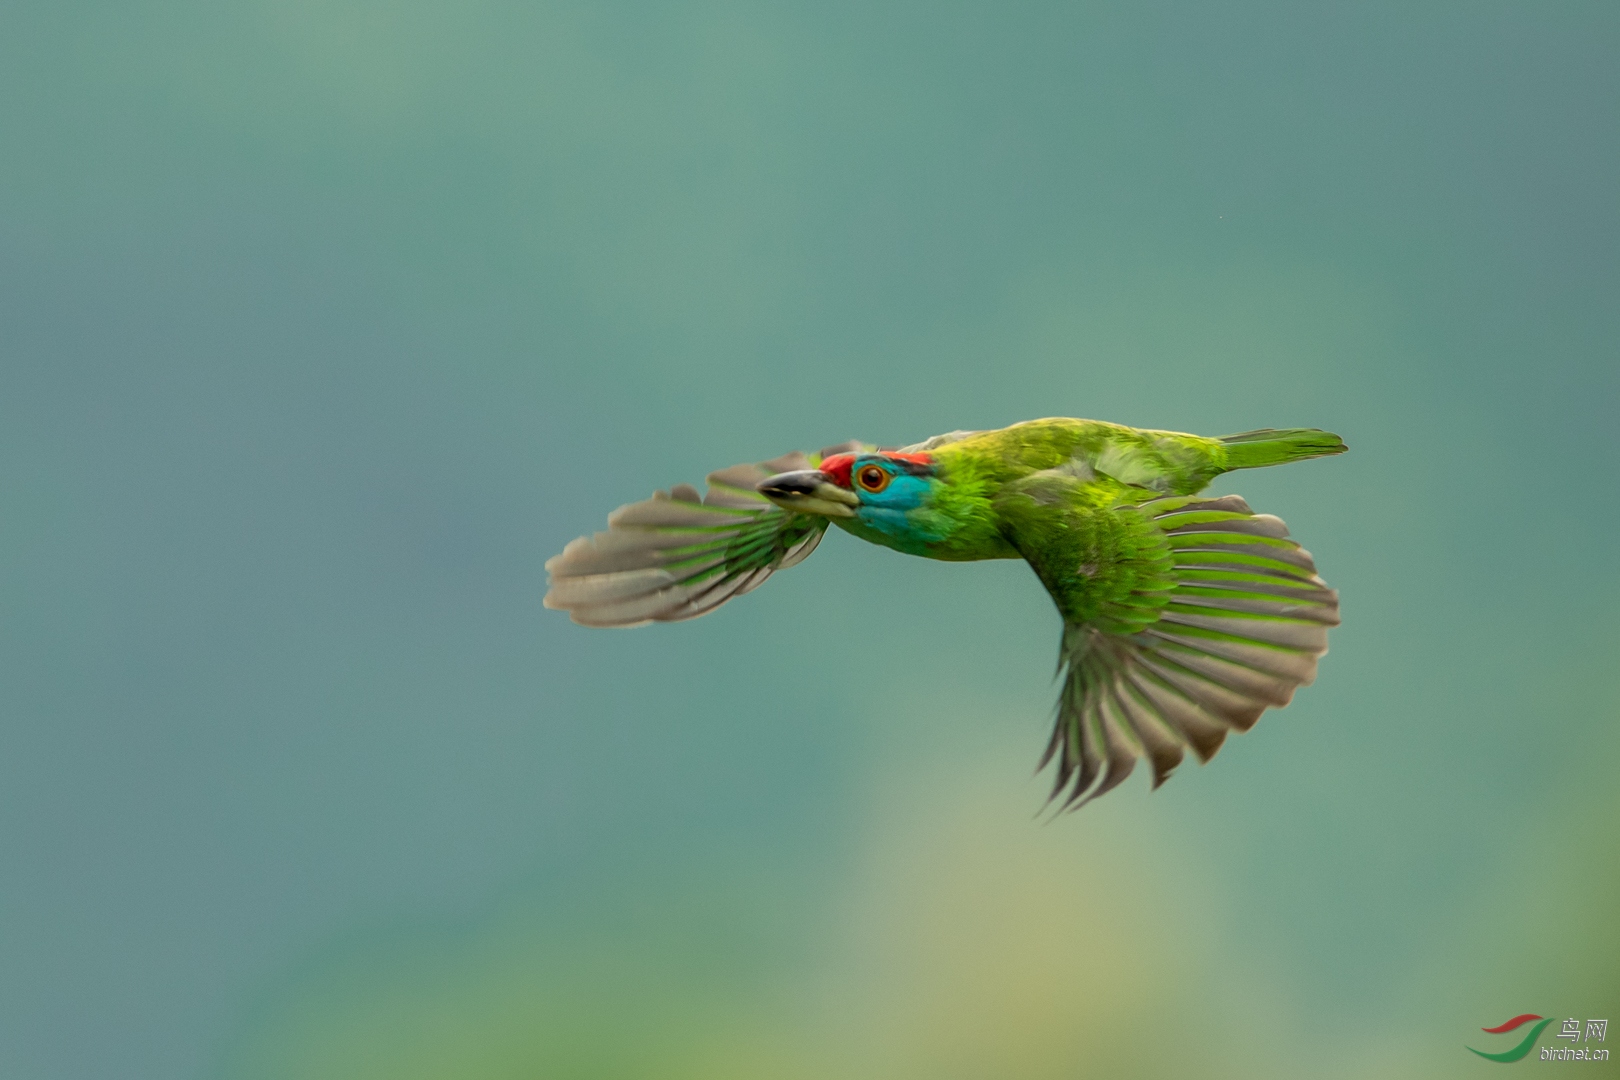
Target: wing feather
x=677 y=555
x=1241 y=629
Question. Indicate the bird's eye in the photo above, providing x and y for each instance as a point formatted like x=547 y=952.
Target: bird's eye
x=873 y=478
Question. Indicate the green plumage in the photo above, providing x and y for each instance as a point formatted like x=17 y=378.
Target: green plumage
x=1184 y=619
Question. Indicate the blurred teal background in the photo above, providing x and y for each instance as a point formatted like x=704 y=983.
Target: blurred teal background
x=324 y=322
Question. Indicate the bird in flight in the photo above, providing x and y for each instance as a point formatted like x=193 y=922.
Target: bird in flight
x=1184 y=618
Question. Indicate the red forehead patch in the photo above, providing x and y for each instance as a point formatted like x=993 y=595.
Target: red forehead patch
x=836 y=468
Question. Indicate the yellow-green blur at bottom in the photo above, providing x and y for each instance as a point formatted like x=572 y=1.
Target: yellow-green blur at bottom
x=962 y=941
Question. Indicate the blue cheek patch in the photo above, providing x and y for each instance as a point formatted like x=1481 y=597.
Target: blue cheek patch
x=890 y=522
x=889 y=511
x=905 y=492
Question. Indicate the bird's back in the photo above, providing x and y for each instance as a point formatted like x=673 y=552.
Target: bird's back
x=1163 y=462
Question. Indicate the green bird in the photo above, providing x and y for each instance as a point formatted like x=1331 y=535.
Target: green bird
x=1183 y=618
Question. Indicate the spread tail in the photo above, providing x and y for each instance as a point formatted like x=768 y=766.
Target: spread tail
x=1271 y=446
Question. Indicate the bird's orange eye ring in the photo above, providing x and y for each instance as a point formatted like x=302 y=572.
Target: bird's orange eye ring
x=873 y=478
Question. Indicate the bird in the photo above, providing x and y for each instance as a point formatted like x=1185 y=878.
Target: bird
x=1184 y=617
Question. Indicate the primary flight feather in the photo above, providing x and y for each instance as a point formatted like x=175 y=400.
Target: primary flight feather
x=1183 y=618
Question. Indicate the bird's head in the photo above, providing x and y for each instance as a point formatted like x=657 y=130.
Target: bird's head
x=866 y=485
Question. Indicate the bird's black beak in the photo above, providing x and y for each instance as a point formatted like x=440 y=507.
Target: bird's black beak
x=808 y=491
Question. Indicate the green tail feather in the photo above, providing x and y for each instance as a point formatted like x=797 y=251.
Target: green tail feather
x=1270 y=446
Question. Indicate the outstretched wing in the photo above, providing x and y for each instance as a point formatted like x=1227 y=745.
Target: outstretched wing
x=677 y=556
x=1242 y=627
